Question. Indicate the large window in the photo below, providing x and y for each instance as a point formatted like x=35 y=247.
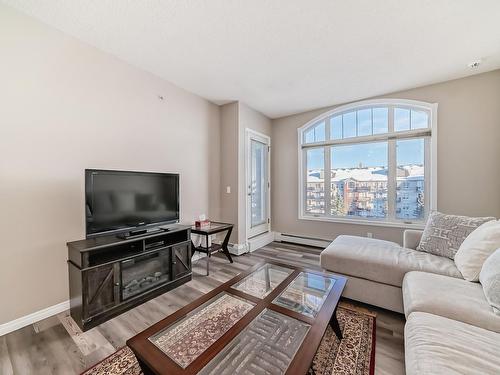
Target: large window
x=369 y=162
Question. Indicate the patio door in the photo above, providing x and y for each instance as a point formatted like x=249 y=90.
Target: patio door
x=257 y=183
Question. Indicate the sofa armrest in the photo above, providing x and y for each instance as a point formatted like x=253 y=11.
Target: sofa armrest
x=411 y=238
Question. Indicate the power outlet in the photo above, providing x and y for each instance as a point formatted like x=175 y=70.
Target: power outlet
x=369 y=235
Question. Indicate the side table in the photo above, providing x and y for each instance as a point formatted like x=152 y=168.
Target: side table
x=207 y=231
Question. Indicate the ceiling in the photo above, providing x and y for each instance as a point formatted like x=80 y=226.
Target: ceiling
x=286 y=56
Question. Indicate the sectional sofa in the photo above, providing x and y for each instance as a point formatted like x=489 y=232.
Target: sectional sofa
x=451 y=328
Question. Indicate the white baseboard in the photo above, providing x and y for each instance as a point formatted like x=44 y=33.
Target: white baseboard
x=260 y=241
x=33 y=318
x=238 y=248
x=301 y=240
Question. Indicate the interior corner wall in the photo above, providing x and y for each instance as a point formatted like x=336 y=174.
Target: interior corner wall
x=256 y=121
x=235 y=119
x=66 y=106
x=468 y=157
x=229 y=166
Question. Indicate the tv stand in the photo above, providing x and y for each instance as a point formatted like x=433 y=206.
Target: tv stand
x=110 y=275
x=139 y=233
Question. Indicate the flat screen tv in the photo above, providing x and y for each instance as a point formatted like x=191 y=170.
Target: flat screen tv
x=121 y=201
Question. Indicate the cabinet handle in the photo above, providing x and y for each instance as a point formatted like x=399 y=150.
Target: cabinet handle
x=117 y=284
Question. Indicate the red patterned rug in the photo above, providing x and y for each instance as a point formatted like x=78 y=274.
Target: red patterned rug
x=354 y=355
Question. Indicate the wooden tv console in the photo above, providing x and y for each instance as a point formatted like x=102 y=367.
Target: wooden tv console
x=109 y=275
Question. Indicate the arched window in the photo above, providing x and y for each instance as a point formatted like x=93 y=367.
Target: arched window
x=371 y=162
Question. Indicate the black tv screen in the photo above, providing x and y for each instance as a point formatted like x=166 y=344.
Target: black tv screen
x=117 y=201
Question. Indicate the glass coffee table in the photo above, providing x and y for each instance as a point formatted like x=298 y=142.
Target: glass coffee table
x=267 y=320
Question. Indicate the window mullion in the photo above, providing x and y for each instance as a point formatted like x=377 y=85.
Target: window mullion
x=390 y=110
x=327 y=181
x=304 y=177
x=327 y=129
x=391 y=180
x=427 y=176
x=392 y=169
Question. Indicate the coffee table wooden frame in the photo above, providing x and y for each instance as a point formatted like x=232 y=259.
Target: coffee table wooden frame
x=153 y=361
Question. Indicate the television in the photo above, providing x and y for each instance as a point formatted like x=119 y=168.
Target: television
x=123 y=201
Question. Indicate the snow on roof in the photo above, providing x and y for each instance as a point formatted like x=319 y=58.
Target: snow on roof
x=366 y=174
x=360 y=174
x=413 y=170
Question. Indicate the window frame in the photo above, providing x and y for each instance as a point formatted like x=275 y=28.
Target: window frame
x=430 y=173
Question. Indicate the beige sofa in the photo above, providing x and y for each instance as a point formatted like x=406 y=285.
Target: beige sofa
x=450 y=328
x=376 y=268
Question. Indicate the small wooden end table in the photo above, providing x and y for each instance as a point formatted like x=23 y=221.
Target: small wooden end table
x=214 y=228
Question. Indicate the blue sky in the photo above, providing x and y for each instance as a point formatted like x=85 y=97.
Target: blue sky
x=409 y=151
x=364 y=122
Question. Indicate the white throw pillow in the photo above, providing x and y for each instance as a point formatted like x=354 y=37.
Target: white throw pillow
x=476 y=248
x=490 y=280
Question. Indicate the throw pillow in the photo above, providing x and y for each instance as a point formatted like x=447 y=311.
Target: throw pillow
x=478 y=246
x=490 y=280
x=443 y=234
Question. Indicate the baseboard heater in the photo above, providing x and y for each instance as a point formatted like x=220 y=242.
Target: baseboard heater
x=303 y=240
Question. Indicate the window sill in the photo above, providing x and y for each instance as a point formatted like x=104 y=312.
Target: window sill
x=367 y=222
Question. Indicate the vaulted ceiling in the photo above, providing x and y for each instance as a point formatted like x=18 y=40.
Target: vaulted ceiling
x=286 y=56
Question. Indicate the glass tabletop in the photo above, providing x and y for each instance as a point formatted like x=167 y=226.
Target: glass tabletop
x=266 y=346
x=262 y=281
x=186 y=339
x=306 y=294
x=213 y=225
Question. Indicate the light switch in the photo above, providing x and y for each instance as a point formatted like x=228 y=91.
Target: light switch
x=228 y=189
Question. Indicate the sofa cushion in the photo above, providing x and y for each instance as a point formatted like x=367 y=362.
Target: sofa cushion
x=437 y=345
x=449 y=297
x=443 y=234
x=476 y=248
x=490 y=280
x=382 y=261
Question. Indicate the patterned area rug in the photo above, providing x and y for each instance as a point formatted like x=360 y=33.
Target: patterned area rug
x=354 y=355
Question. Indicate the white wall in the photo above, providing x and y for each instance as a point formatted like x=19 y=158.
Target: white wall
x=64 y=107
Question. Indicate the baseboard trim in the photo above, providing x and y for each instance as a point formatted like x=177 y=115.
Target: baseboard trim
x=238 y=248
x=33 y=318
x=261 y=240
x=301 y=240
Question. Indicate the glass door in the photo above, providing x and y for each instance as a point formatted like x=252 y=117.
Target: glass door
x=258 y=183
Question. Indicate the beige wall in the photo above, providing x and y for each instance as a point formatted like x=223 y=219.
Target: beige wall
x=64 y=107
x=235 y=119
x=249 y=119
x=252 y=119
x=229 y=166
x=468 y=157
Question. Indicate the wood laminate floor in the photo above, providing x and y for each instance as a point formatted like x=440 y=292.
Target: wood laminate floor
x=57 y=346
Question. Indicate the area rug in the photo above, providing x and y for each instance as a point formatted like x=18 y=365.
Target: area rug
x=354 y=355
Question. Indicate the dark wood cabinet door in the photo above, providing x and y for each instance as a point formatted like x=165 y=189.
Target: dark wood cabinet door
x=181 y=260
x=99 y=289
